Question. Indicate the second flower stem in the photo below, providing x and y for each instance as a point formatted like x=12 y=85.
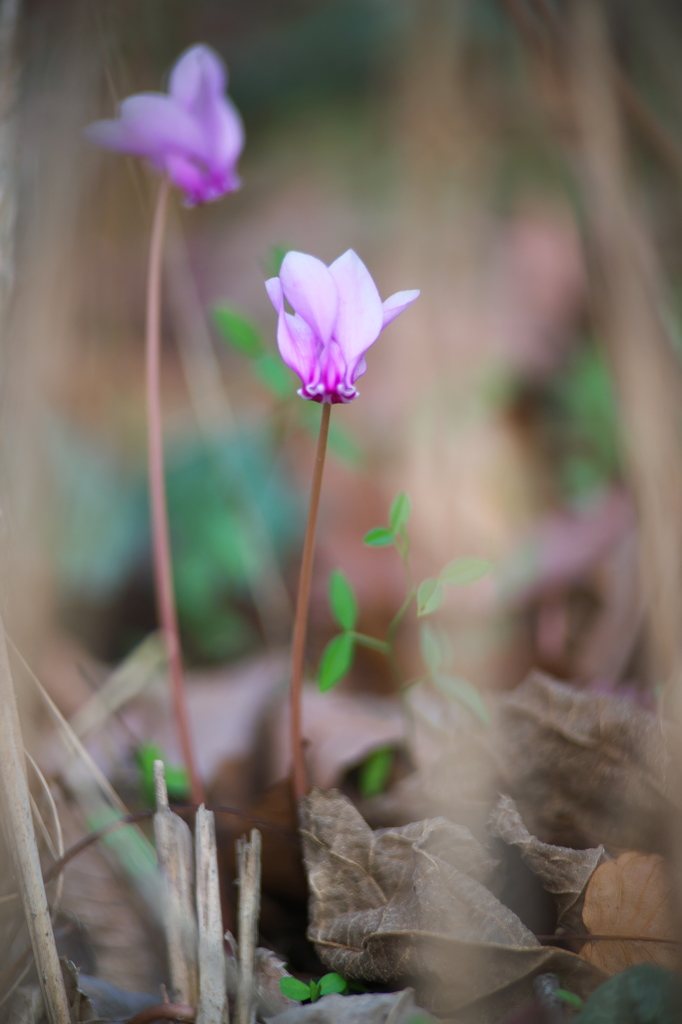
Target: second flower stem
x=301 y=616
x=163 y=571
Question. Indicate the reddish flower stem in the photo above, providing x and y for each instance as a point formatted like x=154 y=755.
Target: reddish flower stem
x=163 y=573
x=301 y=616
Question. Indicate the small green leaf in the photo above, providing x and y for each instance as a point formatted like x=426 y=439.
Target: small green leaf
x=570 y=998
x=177 y=780
x=465 y=692
x=333 y=983
x=336 y=659
x=464 y=570
x=277 y=377
x=429 y=596
x=400 y=512
x=294 y=989
x=342 y=601
x=379 y=537
x=375 y=771
x=177 y=783
x=238 y=331
x=430 y=647
x=314 y=991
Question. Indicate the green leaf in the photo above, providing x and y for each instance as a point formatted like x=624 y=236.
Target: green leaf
x=400 y=512
x=336 y=659
x=460 y=571
x=238 y=331
x=430 y=647
x=570 y=998
x=644 y=994
x=314 y=991
x=333 y=983
x=342 y=600
x=465 y=692
x=273 y=373
x=429 y=596
x=177 y=780
x=379 y=537
x=294 y=989
x=375 y=771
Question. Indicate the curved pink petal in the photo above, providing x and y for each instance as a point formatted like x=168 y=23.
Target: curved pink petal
x=228 y=140
x=360 y=315
x=360 y=368
x=397 y=304
x=309 y=287
x=295 y=338
x=149 y=125
x=198 y=84
x=198 y=68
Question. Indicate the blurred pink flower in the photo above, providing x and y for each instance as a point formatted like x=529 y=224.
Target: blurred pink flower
x=194 y=134
x=338 y=315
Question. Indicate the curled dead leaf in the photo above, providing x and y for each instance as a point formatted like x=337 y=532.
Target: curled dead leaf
x=409 y=906
x=586 y=769
x=631 y=896
x=563 y=872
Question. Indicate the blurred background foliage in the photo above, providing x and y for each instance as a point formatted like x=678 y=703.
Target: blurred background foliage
x=415 y=131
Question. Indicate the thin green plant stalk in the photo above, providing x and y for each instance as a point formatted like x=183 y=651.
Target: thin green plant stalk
x=163 y=572
x=301 y=615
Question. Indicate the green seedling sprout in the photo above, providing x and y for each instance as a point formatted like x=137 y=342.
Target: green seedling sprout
x=312 y=990
x=337 y=657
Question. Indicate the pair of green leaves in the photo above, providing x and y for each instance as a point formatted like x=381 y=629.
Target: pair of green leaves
x=384 y=536
x=337 y=656
x=312 y=990
x=457 y=573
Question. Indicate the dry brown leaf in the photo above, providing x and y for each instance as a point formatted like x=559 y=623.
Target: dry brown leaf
x=563 y=872
x=408 y=906
x=586 y=769
x=633 y=895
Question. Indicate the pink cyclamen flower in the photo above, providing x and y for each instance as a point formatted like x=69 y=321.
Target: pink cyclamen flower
x=194 y=134
x=338 y=315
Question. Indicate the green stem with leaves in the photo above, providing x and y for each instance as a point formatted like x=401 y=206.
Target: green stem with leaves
x=163 y=572
x=301 y=616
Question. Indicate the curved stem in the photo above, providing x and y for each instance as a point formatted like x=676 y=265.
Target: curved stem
x=371 y=642
x=163 y=573
x=301 y=616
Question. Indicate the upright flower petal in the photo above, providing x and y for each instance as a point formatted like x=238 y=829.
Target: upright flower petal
x=198 y=67
x=197 y=83
x=360 y=316
x=397 y=304
x=309 y=287
x=295 y=339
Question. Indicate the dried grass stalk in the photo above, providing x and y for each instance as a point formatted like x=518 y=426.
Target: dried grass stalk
x=174 y=848
x=212 y=1008
x=18 y=824
x=248 y=858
